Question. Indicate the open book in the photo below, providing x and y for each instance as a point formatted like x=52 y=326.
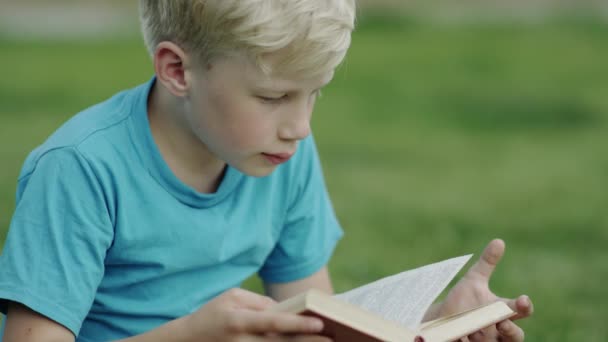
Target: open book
x=392 y=308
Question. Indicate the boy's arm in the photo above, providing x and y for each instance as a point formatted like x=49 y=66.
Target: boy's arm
x=25 y=325
x=282 y=291
x=236 y=315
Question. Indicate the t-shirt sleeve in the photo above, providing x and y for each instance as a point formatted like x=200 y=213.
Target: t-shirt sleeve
x=53 y=258
x=311 y=229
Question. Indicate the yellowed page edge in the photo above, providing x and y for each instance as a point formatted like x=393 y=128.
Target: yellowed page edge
x=466 y=323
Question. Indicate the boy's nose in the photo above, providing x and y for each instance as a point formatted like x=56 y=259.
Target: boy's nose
x=295 y=130
x=297 y=127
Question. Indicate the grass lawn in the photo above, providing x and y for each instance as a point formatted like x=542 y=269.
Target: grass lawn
x=434 y=140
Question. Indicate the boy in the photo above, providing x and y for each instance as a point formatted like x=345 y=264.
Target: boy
x=140 y=217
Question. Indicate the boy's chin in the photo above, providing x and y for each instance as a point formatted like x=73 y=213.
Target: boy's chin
x=257 y=170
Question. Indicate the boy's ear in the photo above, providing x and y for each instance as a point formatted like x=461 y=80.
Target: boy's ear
x=171 y=63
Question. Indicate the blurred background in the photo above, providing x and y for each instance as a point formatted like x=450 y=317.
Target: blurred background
x=449 y=124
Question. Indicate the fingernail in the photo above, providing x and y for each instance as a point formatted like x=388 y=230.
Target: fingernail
x=504 y=327
x=316 y=324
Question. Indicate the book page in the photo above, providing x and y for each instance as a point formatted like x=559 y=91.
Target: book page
x=404 y=298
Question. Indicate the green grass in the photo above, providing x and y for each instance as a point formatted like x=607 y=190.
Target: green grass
x=434 y=140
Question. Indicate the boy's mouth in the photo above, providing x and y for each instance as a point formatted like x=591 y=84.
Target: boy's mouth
x=278 y=158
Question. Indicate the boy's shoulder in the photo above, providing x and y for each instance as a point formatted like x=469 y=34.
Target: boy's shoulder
x=95 y=130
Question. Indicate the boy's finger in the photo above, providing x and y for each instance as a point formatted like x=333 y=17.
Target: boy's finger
x=310 y=339
x=522 y=306
x=476 y=337
x=487 y=334
x=263 y=322
x=249 y=300
x=490 y=257
x=510 y=332
x=284 y=338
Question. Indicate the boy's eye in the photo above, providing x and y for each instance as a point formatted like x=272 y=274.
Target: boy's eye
x=272 y=99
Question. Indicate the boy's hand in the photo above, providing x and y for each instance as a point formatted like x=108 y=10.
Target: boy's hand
x=240 y=316
x=473 y=290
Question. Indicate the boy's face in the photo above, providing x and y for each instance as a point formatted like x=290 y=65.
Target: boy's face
x=248 y=119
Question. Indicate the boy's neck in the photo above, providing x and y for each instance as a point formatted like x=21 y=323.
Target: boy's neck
x=184 y=153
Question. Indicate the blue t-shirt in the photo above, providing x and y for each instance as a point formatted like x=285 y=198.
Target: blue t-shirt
x=106 y=241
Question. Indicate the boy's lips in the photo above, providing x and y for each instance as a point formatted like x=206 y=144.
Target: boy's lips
x=277 y=158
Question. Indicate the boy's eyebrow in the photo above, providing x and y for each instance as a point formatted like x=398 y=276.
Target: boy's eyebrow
x=289 y=88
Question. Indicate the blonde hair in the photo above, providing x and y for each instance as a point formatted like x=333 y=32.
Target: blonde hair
x=310 y=36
